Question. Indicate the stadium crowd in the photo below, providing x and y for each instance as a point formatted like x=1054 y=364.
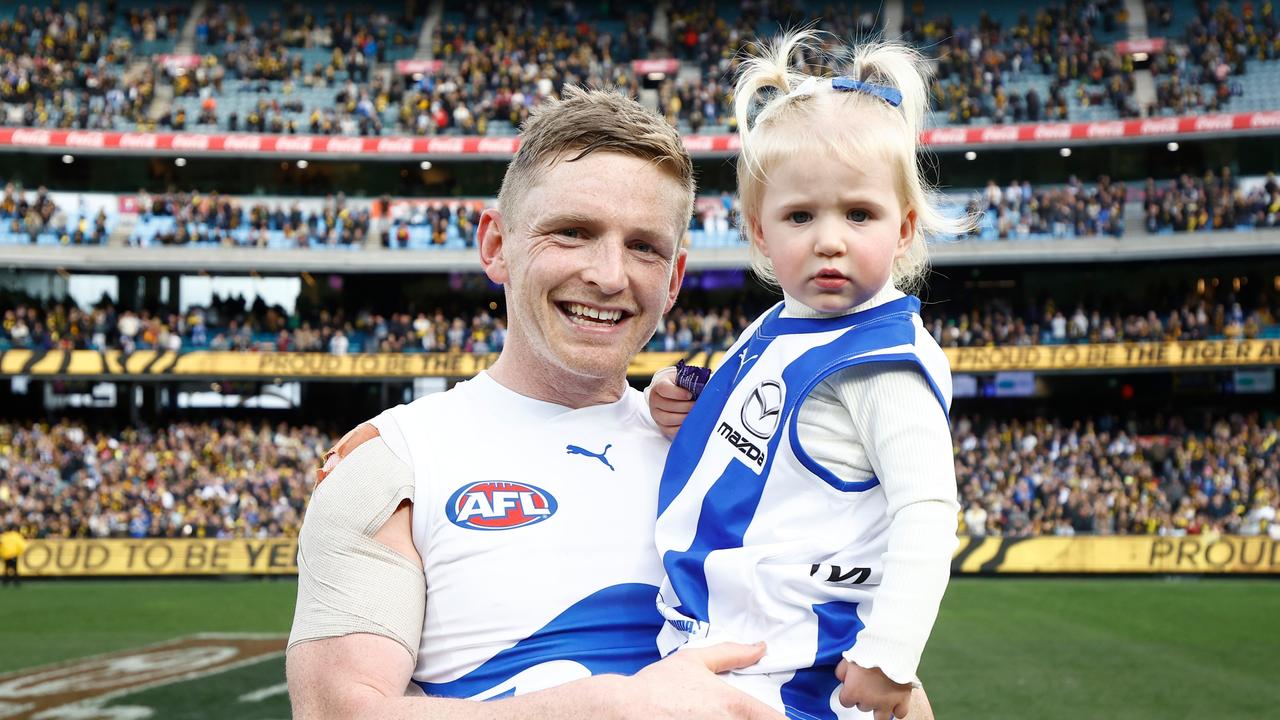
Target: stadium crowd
x=504 y=59
x=1016 y=478
x=218 y=479
x=1108 y=477
x=997 y=324
x=1020 y=210
x=318 y=71
x=1213 y=201
x=212 y=218
x=32 y=214
x=312 y=70
x=1196 y=72
x=66 y=66
x=979 y=66
x=232 y=324
x=1210 y=202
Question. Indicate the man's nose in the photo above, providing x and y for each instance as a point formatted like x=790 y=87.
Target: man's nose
x=607 y=268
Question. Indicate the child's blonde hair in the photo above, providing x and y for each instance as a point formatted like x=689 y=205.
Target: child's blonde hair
x=771 y=97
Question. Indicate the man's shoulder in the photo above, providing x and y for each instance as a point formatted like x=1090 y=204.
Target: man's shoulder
x=354 y=438
x=390 y=421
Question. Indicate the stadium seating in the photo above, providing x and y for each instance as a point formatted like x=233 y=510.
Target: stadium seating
x=1018 y=478
x=210 y=221
x=230 y=325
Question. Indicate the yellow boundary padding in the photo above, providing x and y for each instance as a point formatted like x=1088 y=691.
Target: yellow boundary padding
x=323 y=366
x=992 y=555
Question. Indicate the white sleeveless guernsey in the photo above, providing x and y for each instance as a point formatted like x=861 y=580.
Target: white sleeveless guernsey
x=535 y=526
x=759 y=541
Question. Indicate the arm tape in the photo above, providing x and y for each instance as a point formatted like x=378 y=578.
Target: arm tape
x=347 y=581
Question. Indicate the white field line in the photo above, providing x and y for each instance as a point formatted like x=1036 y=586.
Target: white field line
x=264 y=693
x=99 y=700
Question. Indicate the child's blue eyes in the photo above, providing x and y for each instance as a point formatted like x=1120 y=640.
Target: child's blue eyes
x=800 y=217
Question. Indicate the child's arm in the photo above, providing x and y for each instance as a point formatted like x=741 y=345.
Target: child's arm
x=907 y=439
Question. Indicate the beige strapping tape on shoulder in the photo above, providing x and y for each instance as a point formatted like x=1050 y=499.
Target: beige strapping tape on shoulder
x=347 y=581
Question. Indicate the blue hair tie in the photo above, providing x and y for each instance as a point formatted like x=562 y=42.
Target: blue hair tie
x=893 y=96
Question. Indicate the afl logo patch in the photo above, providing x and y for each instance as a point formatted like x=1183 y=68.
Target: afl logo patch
x=762 y=409
x=495 y=505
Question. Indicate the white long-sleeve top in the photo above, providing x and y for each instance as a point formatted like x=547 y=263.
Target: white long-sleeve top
x=882 y=421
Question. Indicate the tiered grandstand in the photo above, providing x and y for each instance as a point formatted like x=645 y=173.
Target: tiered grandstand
x=205 y=204
x=231 y=231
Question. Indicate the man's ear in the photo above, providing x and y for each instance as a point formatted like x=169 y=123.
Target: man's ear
x=489 y=238
x=677 y=278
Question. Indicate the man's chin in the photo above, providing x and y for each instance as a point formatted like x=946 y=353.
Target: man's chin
x=595 y=364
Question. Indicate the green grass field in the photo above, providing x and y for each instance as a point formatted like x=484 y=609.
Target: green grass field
x=1075 y=649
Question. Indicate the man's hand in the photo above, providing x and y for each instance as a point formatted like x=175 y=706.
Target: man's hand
x=684 y=685
x=669 y=403
x=870 y=690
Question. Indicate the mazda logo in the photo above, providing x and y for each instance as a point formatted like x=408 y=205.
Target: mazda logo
x=763 y=408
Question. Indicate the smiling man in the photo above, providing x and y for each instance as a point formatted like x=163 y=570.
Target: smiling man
x=495 y=542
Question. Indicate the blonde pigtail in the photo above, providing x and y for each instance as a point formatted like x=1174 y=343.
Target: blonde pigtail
x=905 y=68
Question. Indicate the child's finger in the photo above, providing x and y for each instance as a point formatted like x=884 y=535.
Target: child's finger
x=667 y=388
x=849 y=697
x=666 y=419
x=680 y=407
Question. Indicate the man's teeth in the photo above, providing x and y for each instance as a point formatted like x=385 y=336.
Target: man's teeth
x=612 y=316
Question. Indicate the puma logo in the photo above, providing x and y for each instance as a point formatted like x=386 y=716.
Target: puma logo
x=575 y=450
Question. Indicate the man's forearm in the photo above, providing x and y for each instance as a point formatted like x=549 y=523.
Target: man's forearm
x=365 y=676
x=588 y=698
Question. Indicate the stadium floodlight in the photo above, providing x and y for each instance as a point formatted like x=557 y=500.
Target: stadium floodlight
x=1065 y=152
x=425 y=164
x=302 y=164
x=970 y=155
x=68 y=159
x=1173 y=147
x=180 y=162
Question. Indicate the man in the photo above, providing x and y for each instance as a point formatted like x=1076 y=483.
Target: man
x=523 y=501
x=12 y=546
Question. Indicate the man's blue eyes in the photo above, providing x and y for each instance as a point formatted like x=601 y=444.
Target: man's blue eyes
x=577 y=233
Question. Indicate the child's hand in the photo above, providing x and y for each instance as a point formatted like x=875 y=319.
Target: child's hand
x=668 y=403
x=872 y=691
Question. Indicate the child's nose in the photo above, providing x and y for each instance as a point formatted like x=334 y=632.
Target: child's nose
x=831 y=242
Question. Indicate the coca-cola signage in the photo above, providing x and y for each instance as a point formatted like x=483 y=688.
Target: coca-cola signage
x=245 y=144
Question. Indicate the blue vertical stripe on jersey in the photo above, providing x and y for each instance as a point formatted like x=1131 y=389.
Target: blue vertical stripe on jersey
x=691 y=440
x=807 y=696
x=730 y=504
x=727 y=510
